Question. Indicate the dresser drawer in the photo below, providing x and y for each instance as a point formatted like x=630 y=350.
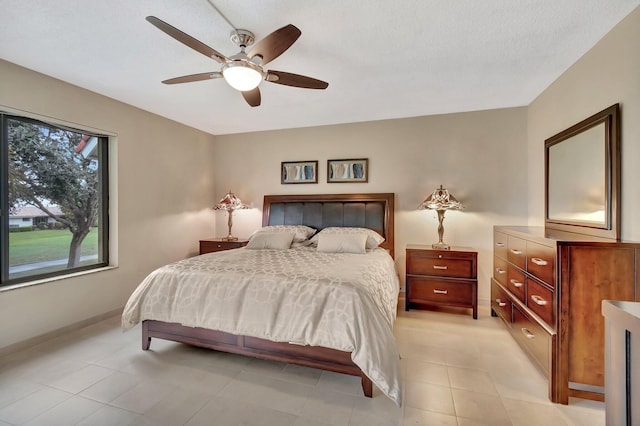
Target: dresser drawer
x=517 y=251
x=533 y=338
x=442 y=265
x=500 y=244
x=517 y=283
x=500 y=267
x=445 y=291
x=500 y=303
x=541 y=262
x=540 y=300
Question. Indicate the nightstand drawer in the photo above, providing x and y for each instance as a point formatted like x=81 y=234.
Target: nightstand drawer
x=213 y=245
x=442 y=266
x=450 y=292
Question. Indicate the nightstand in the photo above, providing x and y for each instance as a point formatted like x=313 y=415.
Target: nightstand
x=219 y=244
x=442 y=277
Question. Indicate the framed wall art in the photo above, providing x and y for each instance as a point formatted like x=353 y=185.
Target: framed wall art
x=299 y=172
x=349 y=170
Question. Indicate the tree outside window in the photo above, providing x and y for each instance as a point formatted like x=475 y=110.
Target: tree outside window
x=61 y=174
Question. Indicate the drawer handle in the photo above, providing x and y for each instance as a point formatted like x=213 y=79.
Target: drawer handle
x=516 y=283
x=219 y=245
x=500 y=244
x=501 y=303
x=440 y=267
x=515 y=251
x=500 y=271
x=538 y=300
x=436 y=291
x=527 y=333
x=539 y=262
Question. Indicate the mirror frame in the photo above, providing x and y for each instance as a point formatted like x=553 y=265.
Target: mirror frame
x=611 y=229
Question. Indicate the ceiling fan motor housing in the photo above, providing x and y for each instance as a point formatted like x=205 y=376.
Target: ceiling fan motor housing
x=243 y=38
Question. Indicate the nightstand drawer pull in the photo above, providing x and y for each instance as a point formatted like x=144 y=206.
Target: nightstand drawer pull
x=440 y=267
x=436 y=291
x=499 y=244
x=516 y=283
x=538 y=300
x=501 y=303
x=501 y=271
x=527 y=333
x=514 y=251
x=539 y=262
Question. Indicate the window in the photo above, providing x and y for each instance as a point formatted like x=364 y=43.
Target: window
x=53 y=200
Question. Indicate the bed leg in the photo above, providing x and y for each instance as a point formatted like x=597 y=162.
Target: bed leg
x=367 y=386
x=146 y=339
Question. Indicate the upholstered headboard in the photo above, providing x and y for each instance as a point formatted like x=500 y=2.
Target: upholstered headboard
x=373 y=211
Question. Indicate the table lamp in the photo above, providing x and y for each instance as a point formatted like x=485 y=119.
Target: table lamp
x=230 y=203
x=440 y=201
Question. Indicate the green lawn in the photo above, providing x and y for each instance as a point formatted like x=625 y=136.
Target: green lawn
x=37 y=246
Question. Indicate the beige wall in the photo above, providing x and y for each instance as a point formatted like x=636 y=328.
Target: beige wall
x=609 y=73
x=162 y=193
x=479 y=156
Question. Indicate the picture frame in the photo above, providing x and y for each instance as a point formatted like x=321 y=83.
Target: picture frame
x=295 y=172
x=351 y=170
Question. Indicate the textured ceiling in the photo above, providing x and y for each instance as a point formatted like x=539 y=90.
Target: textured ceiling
x=382 y=59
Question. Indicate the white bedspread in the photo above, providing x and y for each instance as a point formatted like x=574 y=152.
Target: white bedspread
x=341 y=301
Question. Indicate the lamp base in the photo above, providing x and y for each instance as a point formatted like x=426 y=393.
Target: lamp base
x=229 y=238
x=440 y=246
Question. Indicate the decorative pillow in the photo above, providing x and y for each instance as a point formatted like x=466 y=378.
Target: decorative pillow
x=343 y=243
x=373 y=238
x=301 y=232
x=270 y=240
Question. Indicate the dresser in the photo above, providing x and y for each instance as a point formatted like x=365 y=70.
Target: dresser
x=441 y=277
x=548 y=287
x=219 y=244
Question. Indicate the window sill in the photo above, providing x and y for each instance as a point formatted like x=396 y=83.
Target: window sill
x=56 y=278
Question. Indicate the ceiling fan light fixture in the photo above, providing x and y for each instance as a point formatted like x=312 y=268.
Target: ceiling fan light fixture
x=241 y=75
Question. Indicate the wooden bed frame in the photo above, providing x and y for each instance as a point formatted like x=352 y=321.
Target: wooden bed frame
x=373 y=211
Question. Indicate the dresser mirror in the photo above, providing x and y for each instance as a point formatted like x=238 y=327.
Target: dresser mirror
x=582 y=176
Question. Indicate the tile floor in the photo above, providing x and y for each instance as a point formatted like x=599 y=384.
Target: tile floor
x=457 y=372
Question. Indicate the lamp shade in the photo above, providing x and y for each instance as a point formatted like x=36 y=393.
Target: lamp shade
x=230 y=202
x=440 y=199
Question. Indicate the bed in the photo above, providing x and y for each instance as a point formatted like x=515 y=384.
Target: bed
x=369 y=350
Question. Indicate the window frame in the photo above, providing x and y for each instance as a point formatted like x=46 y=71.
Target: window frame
x=103 y=187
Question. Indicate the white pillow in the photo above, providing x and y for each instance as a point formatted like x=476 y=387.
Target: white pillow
x=270 y=240
x=301 y=232
x=373 y=238
x=343 y=243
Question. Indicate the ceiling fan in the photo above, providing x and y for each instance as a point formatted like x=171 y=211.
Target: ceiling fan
x=243 y=71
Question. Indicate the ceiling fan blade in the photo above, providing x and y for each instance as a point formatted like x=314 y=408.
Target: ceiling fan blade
x=252 y=97
x=187 y=40
x=275 y=43
x=194 y=77
x=295 y=80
